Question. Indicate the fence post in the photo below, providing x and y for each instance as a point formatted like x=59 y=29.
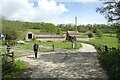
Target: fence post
x=13 y=59
x=106 y=48
x=73 y=45
x=53 y=47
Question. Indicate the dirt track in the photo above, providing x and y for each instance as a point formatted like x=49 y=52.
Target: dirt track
x=82 y=63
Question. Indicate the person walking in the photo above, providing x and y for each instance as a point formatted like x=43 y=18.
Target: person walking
x=35 y=47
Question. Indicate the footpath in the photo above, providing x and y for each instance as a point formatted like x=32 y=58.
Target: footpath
x=82 y=63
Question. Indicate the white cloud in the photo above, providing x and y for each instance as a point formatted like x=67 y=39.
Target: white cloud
x=86 y=0
x=77 y=0
x=61 y=20
x=23 y=10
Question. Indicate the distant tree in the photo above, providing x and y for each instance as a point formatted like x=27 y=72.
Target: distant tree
x=82 y=28
x=66 y=27
x=10 y=33
x=99 y=33
x=58 y=31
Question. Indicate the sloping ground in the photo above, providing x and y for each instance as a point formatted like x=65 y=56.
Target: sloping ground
x=70 y=64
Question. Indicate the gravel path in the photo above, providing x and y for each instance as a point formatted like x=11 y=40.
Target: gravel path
x=87 y=48
x=70 y=64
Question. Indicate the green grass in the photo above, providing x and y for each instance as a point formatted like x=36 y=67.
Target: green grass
x=48 y=46
x=27 y=48
x=109 y=35
x=0 y=42
x=20 y=67
x=2 y=49
x=33 y=30
x=109 y=41
x=23 y=33
x=64 y=45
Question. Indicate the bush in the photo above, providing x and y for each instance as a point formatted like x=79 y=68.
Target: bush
x=111 y=60
x=99 y=33
x=49 y=41
x=90 y=34
x=19 y=68
x=5 y=65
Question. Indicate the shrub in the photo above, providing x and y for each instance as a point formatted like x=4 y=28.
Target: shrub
x=99 y=33
x=5 y=65
x=111 y=60
x=90 y=34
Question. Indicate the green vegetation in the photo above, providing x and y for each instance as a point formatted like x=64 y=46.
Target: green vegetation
x=111 y=60
x=111 y=11
x=17 y=30
x=99 y=33
x=47 y=46
x=64 y=45
x=20 y=67
x=13 y=29
x=33 y=30
x=109 y=41
x=90 y=34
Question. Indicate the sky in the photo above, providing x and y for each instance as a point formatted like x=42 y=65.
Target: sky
x=53 y=11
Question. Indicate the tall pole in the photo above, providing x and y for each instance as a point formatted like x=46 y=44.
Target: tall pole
x=75 y=31
x=76 y=26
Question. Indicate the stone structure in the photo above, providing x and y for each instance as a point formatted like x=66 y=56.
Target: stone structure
x=69 y=35
x=75 y=35
x=45 y=37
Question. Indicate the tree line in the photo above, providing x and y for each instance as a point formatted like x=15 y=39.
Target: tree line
x=12 y=29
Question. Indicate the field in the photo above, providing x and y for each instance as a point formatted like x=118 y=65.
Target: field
x=43 y=46
x=106 y=40
x=47 y=46
x=27 y=47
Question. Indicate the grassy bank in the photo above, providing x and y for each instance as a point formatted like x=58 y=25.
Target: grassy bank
x=20 y=67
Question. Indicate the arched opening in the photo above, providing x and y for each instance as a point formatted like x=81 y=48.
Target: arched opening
x=29 y=36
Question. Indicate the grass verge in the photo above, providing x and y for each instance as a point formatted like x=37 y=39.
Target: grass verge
x=20 y=67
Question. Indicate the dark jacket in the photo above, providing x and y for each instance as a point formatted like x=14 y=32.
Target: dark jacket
x=35 y=47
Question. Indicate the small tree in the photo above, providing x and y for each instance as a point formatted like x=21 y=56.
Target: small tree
x=99 y=33
x=90 y=34
x=10 y=33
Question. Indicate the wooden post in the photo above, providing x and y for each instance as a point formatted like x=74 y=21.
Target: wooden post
x=13 y=59
x=73 y=45
x=106 y=48
x=53 y=47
